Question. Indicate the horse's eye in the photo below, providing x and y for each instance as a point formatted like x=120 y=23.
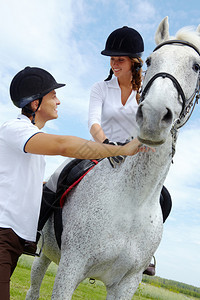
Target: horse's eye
x=196 y=67
x=148 y=62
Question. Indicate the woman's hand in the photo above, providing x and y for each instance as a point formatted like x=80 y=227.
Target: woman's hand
x=144 y=148
x=135 y=146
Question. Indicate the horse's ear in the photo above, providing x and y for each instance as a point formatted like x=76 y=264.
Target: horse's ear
x=162 y=33
x=198 y=29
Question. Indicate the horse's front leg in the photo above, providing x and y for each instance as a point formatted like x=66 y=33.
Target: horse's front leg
x=125 y=289
x=38 y=270
x=69 y=275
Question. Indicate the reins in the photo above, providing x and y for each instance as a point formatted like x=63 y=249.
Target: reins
x=185 y=108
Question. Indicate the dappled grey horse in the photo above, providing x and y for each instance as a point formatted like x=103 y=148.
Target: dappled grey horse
x=112 y=221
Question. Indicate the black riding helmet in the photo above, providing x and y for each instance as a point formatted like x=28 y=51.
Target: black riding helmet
x=124 y=41
x=30 y=84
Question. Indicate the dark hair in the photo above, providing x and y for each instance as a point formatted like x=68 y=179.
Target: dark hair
x=136 y=75
x=110 y=75
x=27 y=111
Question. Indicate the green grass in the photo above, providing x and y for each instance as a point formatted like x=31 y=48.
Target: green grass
x=20 y=283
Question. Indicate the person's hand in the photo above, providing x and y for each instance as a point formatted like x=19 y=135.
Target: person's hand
x=115 y=160
x=135 y=146
x=144 y=148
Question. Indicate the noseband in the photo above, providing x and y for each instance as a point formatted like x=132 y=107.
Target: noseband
x=175 y=82
x=185 y=108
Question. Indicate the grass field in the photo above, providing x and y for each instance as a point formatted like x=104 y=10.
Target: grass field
x=20 y=283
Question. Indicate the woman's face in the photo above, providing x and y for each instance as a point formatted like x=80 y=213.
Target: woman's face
x=121 y=65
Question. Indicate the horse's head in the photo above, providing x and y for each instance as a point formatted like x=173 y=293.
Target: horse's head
x=170 y=85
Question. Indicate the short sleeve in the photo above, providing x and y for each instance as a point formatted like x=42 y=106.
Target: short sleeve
x=18 y=133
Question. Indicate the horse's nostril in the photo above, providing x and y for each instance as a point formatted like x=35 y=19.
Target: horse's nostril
x=168 y=116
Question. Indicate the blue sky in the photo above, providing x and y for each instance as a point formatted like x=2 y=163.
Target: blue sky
x=66 y=38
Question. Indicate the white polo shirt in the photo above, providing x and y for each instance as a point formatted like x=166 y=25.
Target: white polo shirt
x=21 y=178
x=117 y=121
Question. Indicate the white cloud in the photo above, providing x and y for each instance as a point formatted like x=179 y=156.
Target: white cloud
x=183 y=178
x=180 y=245
x=41 y=34
x=179 y=252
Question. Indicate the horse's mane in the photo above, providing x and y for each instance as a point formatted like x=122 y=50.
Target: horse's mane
x=190 y=35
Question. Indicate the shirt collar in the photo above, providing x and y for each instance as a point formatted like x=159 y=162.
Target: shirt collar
x=21 y=116
x=113 y=83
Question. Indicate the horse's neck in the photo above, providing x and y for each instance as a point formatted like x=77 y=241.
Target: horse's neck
x=149 y=170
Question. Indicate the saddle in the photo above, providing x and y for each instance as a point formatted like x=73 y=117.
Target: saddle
x=69 y=177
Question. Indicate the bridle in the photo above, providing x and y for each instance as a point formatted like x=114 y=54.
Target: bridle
x=187 y=104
